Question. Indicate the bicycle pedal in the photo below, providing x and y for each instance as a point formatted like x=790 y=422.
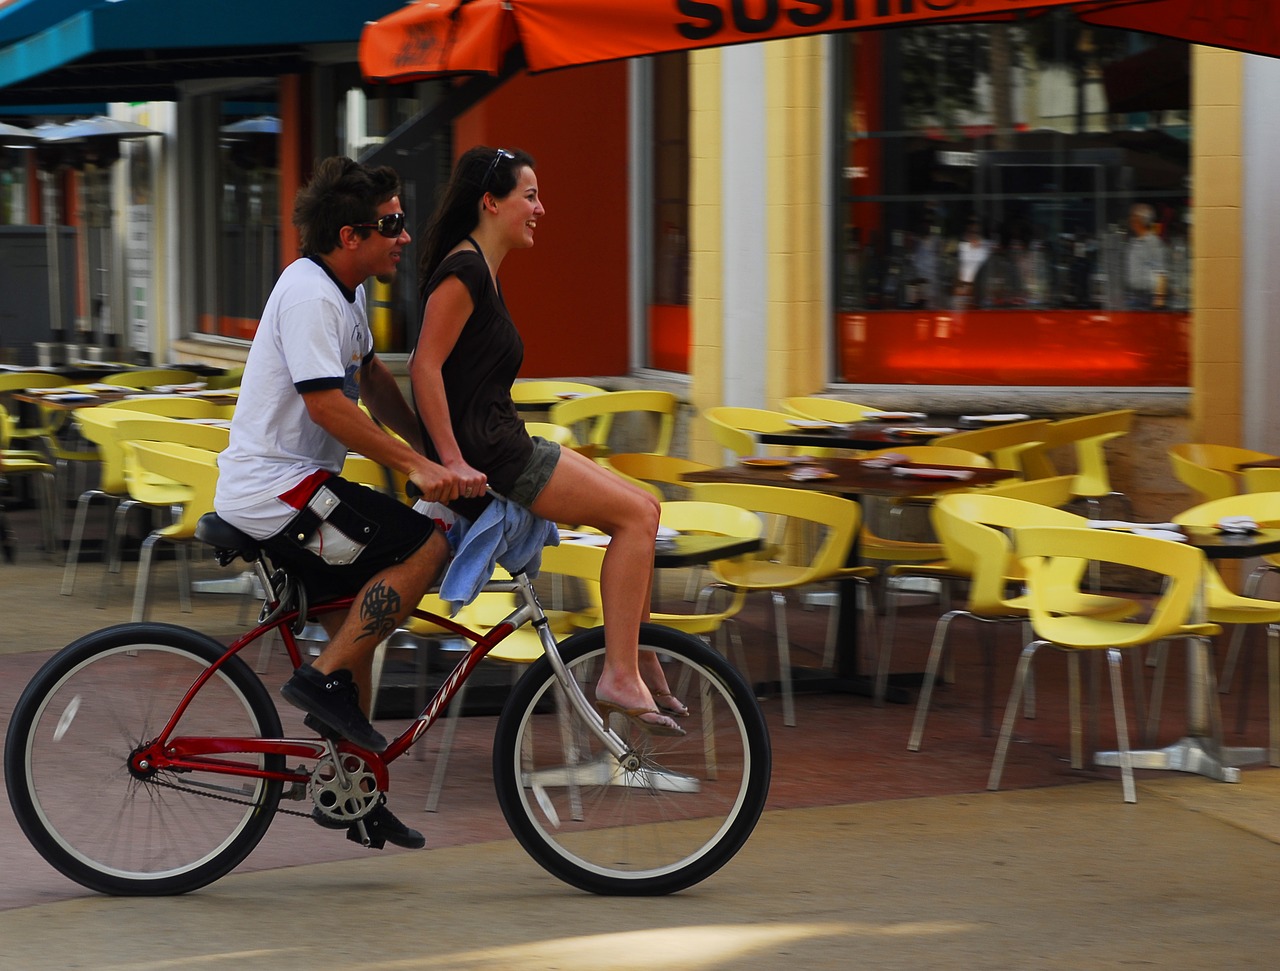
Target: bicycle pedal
x=358 y=832
x=321 y=729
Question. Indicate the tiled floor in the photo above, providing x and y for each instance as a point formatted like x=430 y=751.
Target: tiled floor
x=843 y=749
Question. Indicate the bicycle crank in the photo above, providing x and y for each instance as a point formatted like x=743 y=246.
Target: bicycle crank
x=343 y=787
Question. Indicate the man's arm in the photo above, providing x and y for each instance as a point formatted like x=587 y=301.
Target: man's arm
x=342 y=418
x=379 y=390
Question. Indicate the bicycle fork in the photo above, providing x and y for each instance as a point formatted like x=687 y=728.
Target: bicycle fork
x=530 y=610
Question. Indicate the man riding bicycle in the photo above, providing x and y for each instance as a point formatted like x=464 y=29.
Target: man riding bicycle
x=310 y=363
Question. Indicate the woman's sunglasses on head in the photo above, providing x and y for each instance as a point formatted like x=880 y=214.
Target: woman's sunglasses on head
x=498 y=156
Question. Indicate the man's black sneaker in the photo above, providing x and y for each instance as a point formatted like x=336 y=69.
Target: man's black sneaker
x=333 y=700
x=381 y=826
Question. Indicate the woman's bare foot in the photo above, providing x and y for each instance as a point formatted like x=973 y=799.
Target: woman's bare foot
x=669 y=703
x=655 y=679
x=630 y=697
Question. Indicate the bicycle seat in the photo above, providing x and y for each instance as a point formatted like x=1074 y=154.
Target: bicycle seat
x=227 y=541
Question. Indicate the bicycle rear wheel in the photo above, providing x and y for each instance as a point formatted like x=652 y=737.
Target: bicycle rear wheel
x=66 y=762
x=674 y=819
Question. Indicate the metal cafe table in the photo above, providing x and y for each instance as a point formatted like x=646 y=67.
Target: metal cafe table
x=903 y=428
x=852 y=479
x=1200 y=750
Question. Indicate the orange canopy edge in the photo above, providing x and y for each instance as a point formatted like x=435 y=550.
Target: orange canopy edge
x=438 y=38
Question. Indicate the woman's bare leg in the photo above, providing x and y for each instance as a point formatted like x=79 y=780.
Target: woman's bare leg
x=581 y=492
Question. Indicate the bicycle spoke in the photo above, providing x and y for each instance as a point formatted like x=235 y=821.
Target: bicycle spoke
x=659 y=824
x=71 y=739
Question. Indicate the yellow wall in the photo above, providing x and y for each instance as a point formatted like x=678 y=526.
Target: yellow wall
x=1216 y=186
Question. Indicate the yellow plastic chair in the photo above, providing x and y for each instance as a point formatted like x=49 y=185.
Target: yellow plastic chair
x=1050 y=556
x=552 y=433
x=826 y=409
x=1088 y=435
x=972 y=528
x=1260 y=480
x=194 y=475
x=97 y=426
x=1210 y=470
x=837 y=521
x=20 y=381
x=104 y=427
x=364 y=470
x=653 y=472
x=1003 y=444
x=1056 y=491
x=227 y=380
x=735 y=428
x=903 y=560
x=151 y=377
x=891 y=549
x=599 y=413
x=35 y=466
x=145 y=488
x=1223 y=606
x=548 y=392
x=168 y=406
x=72 y=455
x=139 y=427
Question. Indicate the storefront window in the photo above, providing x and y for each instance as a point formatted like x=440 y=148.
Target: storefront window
x=247 y=218
x=1014 y=206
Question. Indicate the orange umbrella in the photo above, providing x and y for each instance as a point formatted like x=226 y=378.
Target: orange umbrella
x=1252 y=26
x=432 y=38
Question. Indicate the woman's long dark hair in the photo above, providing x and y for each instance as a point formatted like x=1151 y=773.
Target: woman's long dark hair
x=481 y=169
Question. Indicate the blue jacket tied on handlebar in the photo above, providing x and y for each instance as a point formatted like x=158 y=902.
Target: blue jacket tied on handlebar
x=506 y=534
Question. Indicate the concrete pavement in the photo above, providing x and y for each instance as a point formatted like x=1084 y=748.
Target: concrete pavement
x=1060 y=876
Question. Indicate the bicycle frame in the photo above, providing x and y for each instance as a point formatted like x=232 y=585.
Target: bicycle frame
x=178 y=752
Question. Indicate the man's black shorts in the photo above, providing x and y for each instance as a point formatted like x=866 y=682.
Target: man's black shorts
x=362 y=531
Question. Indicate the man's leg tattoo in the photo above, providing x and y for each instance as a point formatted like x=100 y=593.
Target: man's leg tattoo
x=380 y=611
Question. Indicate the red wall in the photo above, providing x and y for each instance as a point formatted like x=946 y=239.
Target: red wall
x=568 y=295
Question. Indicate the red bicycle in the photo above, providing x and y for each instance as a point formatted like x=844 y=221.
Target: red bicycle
x=148 y=758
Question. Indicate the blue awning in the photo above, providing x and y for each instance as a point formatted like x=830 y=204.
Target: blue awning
x=22 y=18
x=133 y=50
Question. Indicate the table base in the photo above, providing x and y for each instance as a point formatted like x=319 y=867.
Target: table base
x=1201 y=756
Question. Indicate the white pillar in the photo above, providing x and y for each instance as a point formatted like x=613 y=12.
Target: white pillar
x=744 y=189
x=1260 y=326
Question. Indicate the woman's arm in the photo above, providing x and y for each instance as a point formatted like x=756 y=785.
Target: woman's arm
x=447 y=311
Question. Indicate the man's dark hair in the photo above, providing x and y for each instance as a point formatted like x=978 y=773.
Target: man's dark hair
x=342 y=192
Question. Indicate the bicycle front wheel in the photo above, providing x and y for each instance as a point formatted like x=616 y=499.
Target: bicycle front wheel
x=66 y=762
x=663 y=824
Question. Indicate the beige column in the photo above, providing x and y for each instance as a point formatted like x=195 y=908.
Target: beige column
x=1217 y=246
x=799 y=217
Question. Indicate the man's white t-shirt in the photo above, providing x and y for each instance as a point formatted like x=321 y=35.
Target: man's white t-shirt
x=314 y=334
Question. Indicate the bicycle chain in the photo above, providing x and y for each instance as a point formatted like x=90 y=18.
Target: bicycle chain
x=155 y=781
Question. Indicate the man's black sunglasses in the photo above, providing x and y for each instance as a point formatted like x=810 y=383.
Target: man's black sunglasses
x=391 y=225
x=498 y=156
